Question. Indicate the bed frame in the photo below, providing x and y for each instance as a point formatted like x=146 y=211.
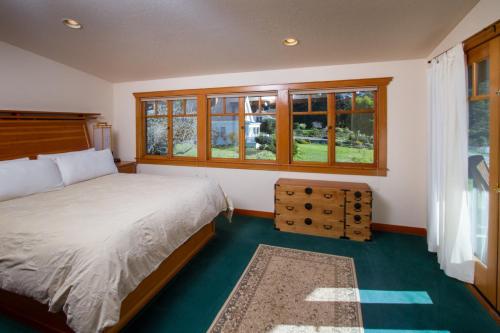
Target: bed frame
x=29 y=133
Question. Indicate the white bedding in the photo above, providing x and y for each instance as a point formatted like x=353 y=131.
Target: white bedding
x=84 y=248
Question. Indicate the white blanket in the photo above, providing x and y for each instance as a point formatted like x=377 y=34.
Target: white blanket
x=84 y=248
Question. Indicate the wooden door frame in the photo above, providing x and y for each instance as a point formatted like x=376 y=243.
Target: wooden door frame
x=487 y=277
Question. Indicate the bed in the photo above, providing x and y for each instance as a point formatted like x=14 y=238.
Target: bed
x=109 y=245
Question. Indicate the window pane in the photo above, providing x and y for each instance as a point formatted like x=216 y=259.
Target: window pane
x=318 y=102
x=184 y=135
x=153 y=108
x=232 y=104
x=478 y=184
x=191 y=106
x=260 y=137
x=149 y=107
x=310 y=138
x=483 y=77
x=268 y=104
x=343 y=101
x=224 y=137
x=156 y=136
x=216 y=105
x=251 y=104
x=365 y=100
x=354 y=138
x=300 y=103
x=177 y=107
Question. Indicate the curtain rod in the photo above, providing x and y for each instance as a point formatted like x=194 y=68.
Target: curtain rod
x=440 y=54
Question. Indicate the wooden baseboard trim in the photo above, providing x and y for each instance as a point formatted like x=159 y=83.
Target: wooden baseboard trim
x=400 y=229
x=254 y=213
x=491 y=310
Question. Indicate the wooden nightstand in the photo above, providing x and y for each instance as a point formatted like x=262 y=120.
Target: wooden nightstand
x=126 y=167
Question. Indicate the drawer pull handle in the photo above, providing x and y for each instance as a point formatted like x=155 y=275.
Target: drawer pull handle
x=308 y=190
x=308 y=221
x=357 y=207
x=357 y=232
x=290 y=192
x=289 y=207
x=327 y=212
x=289 y=222
x=357 y=219
x=308 y=206
x=328 y=195
x=357 y=195
x=327 y=226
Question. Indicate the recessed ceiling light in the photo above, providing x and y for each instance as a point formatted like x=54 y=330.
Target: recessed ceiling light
x=290 y=42
x=73 y=24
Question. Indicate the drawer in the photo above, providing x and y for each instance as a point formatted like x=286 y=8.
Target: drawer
x=358 y=207
x=289 y=193
x=358 y=196
x=319 y=228
x=359 y=233
x=358 y=219
x=312 y=209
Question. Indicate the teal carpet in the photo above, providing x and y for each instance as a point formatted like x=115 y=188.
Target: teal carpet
x=402 y=287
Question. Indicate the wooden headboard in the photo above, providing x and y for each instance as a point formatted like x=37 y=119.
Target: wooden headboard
x=29 y=133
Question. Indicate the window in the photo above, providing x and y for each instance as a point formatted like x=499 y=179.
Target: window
x=254 y=139
x=327 y=127
x=350 y=138
x=224 y=127
x=171 y=127
x=355 y=127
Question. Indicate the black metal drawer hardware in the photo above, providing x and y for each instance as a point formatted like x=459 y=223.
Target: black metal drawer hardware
x=308 y=221
x=328 y=195
x=357 y=218
x=308 y=190
x=357 y=207
x=327 y=211
x=357 y=195
x=308 y=206
x=327 y=226
x=289 y=222
x=290 y=192
x=290 y=207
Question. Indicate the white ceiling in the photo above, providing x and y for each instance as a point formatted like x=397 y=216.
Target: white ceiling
x=125 y=40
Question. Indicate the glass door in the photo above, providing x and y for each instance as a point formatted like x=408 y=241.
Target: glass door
x=483 y=85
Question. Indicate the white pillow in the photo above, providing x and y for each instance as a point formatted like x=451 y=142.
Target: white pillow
x=25 y=177
x=54 y=156
x=15 y=160
x=76 y=168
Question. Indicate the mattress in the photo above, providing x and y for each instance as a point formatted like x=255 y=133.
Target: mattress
x=84 y=248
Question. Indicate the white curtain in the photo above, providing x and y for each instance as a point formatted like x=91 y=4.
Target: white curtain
x=449 y=230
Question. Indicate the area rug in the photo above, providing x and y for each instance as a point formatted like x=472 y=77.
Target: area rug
x=287 y=290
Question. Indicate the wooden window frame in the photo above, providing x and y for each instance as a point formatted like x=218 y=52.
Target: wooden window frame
x=284 y=124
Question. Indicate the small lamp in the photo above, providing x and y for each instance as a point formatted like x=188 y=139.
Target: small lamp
x=102 y=136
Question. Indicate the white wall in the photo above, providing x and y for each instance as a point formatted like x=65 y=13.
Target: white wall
x=484 y=13
x=31 y=82
x=399 y=197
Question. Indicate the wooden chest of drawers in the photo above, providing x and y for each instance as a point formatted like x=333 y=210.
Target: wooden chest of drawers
x=323 y=208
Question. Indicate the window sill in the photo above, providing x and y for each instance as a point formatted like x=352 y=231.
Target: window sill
x=253 y=165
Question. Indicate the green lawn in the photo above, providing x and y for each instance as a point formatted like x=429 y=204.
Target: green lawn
x=306 y=152
x=313 y=152
x=185 y=149
x=353 y=155
x=226 y=152
x=251 y=153
x=256 y=154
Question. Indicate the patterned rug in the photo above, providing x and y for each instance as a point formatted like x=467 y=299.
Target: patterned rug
x=286 y=290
